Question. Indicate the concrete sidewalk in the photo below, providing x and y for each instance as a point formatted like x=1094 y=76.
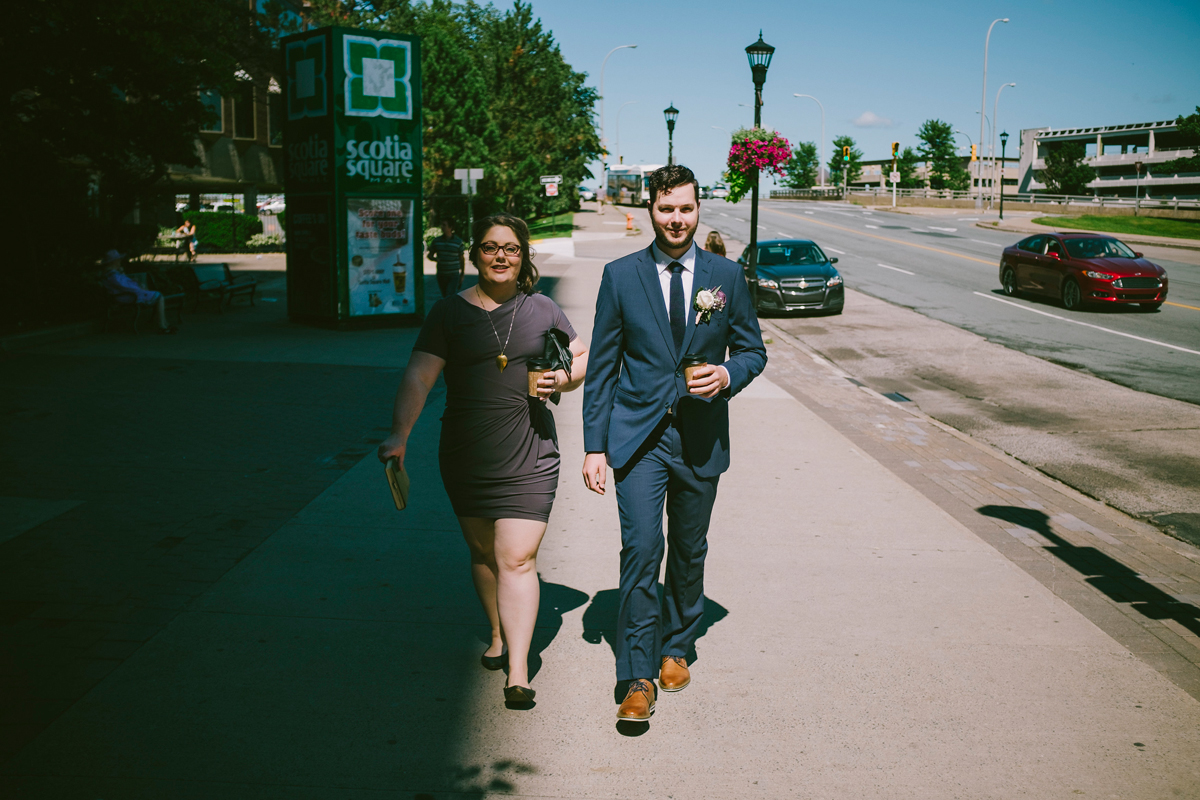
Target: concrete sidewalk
x=338 y=657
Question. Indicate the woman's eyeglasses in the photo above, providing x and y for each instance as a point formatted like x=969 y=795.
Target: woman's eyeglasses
x=491 y=248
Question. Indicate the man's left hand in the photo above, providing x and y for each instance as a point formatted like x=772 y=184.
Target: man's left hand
x=708 y=381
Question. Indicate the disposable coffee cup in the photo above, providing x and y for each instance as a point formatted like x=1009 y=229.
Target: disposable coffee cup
x=537 y=367
x=690 y=363
x=399 y=277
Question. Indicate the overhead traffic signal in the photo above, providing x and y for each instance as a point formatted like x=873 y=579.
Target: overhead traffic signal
x=974 y=156
x=846 y=153
x=895 y=149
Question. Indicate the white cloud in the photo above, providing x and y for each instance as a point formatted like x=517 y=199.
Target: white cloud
x=870 y=119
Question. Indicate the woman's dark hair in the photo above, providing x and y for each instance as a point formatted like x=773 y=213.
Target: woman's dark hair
x=527 y=275
x=664 y=179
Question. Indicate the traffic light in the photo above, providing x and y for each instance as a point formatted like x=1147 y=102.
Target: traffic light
x=974 y=156
x=895 y=149
x=846 y=153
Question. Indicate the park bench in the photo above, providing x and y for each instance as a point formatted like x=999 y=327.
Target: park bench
x=217 y=281
x=122 y=306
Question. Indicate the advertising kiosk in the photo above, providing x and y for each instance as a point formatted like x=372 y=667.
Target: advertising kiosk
x=352 y=176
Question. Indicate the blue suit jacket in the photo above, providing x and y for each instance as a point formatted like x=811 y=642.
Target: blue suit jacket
x=634 y=376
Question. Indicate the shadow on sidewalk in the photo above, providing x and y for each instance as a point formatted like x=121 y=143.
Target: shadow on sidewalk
x=556 y=601
x=1117 y=581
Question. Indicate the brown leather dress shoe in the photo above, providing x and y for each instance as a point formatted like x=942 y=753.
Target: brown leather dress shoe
x=639 y=702
x=674 y=674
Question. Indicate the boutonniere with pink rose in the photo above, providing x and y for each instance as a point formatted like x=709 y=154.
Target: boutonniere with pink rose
x=708 y=302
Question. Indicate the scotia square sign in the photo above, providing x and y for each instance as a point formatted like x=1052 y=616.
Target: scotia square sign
x=352 y=171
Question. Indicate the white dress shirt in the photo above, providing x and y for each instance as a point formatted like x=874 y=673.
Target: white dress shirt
x=688 y=262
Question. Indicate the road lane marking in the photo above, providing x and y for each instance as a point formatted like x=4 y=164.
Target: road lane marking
x=839 y=252
x=906 y=272
x=886 y=238
x=876 y=227
x=808 y=212
x=1180 y=305
x=722 y=213
x=1087 y=324
x=970 y=219
x=781 y=233
x=935 y=228
x=981 y=241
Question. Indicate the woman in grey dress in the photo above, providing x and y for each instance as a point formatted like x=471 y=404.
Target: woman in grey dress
x=499 y=450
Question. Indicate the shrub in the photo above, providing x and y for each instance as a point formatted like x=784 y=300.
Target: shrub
x=272 y=240
x=223 y=230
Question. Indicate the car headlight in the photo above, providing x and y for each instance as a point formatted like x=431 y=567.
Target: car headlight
x=836 y=280
x=1104 y=276
x=767 y=283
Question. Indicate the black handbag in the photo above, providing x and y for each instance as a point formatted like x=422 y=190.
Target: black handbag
x=558 y=352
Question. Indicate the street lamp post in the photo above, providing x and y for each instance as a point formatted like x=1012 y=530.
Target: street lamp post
x=1137 y=188
x=671 y=113
x=603 y=141
x=821 y=166
x=620 y=158
x=995 y=127
x=1003 y=146
x=983 y=100
x=759 y=54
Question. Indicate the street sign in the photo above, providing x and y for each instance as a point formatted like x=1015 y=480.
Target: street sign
x=894 y=177
x=468 y=177
x=551 y=190
x=549 y=179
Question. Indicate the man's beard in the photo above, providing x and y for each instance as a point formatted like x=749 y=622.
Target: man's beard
x=661 y=240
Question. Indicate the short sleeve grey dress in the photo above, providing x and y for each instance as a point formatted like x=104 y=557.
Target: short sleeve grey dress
x=499 y=448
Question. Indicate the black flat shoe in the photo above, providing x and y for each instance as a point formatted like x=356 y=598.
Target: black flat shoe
x=494 y=662
x=519 y=696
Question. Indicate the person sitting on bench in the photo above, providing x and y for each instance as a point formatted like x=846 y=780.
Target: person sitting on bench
x=125 y=289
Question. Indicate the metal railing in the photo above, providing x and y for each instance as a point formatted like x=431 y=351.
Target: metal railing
x=1038 y=198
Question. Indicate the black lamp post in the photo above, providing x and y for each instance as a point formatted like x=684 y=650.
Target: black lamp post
x=671 y=113
x=1003 y=144
x=759 y=55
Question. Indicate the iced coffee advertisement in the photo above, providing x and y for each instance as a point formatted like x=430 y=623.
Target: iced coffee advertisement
x=382 y=268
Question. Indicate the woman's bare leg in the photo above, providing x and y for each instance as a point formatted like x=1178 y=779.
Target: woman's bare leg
x=480 y=536
x=160 y=311
x=515 y=547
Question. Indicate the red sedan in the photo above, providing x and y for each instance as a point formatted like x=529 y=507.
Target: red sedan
x=1082 y=268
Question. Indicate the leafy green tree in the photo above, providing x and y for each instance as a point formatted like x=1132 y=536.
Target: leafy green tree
x=802 y=169
x=1189 y=133
x=938 y=150
x=836 y=164
x=906 y=165
x=1066 y=172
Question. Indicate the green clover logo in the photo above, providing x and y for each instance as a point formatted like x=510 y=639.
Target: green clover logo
x=306 y=78
x=378 y=75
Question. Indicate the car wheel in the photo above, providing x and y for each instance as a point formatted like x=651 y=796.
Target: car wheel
x=1009 y=281
x=1148 y=307
x=1072 y=297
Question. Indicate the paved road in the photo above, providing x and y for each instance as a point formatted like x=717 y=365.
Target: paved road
x=947 y=269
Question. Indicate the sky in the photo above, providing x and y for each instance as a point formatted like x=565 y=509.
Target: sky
x=879 y=68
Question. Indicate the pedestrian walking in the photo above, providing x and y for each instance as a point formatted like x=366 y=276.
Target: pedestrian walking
x=714 y=243
x=447 y=251
x=498 y=452
x=656 y=408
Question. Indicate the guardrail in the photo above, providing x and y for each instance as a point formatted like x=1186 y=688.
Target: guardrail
x=1036 y=198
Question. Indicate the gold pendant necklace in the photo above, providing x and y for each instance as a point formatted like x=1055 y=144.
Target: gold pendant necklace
x=501 y=360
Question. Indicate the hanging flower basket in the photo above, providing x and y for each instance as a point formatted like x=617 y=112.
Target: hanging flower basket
x=752 y=151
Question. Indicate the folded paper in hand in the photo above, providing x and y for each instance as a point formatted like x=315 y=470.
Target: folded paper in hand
x=397 y=479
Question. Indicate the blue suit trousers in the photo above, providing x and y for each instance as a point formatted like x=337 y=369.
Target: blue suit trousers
x=646 y=630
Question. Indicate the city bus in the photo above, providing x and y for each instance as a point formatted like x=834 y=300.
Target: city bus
x=628 y=184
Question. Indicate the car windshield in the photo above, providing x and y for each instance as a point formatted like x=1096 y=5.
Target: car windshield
x=1097 y=248
x=783 y=254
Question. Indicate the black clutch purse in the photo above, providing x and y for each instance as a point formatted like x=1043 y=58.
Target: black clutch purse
x=558 y=353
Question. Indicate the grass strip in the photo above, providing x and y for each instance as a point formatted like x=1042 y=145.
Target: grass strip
x=1148 y=226
x=553 y=225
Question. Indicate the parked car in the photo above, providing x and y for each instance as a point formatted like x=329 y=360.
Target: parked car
x=795 y=275
x=223 y=207
x=1080 y=269
x=273 y=206
x=720 y=192
x=705 y=192
x=586 y=193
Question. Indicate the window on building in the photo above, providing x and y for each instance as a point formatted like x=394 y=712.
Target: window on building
x=216 y=117
x=243 y=112
x=276 y=113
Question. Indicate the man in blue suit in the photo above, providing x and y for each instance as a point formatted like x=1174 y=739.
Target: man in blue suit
x=666 y=438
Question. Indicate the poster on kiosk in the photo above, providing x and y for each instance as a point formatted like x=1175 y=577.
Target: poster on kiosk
x=352 y=162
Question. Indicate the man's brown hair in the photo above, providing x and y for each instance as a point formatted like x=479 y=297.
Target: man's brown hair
x=665 y=179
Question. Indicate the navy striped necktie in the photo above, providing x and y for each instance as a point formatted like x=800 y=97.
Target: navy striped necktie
x=678 y=313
